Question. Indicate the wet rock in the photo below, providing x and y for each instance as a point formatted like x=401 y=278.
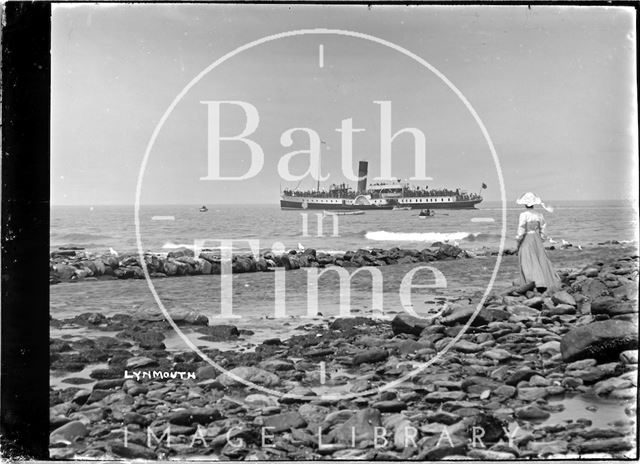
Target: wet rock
x=563 y=297
x=140 y=361
x=492 y=428
x=531 y=394
x=192 y=416
x=524 y=311
x=466 y=346
x=539 y=381
x=519 y=375
x=505 y=391
x=606 y=445
x=443 y=417
x=624 y=393
x=605 y=387
x=370 y=356
x=250 y=374
x=562 y=309
x=132 y=451
x=147 y=339
x=531 y=413
x=110 y=373
x=489 y=455
x=497 y=354
x=69 y=432
x=187 y=317
x=442 y=396
x=407 y=324
x=629 y=357
x=594 y=288
x=438 y=453
x=349 y=323
x=64 y=271
x=534 y=302
x=550 y=348
x=611 y=306
x=219 y=333
x=602 y=340
x=389 y=406
x=274 y=365
x=520 y=289
x=285 y=421
x=545 y=448
x=461 y=314
x=360 y=426
x=313 y=413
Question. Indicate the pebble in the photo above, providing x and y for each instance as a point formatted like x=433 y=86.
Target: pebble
x=69 y=432
x=531 y=413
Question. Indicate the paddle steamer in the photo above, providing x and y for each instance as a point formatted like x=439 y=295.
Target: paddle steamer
x=379 y=196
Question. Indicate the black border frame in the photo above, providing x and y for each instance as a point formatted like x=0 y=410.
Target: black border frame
x=24 y=375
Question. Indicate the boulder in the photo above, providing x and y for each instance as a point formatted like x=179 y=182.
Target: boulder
x=520 y=289
x=218 y=333
x=192 y=416
x=284 y=421
x=64 y=271
x=611 y=307
x=407 y=324
x=461 y=314
x=563 y=297
x=69 y=432
x=180 y=253
x=531 y=413
x=249 y=374
x=360 y=427
x=602 y=340
x=188 y=317
x=370 y=356
x=594 y=288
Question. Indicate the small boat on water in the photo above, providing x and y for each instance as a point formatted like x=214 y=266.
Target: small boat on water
x=425 y=213
x=401 y=208
x=343 y=213
x=204 y=209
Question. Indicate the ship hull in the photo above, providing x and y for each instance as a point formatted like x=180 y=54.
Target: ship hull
x=342 y=205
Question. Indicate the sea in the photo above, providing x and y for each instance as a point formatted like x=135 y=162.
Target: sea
x=111 y=229
x=163 y=228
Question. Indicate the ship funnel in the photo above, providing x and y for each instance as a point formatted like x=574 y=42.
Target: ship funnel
x=363 y=168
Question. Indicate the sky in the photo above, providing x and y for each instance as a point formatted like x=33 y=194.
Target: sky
x=555 y=88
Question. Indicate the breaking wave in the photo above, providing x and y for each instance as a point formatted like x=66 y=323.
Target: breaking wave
x=382 y=235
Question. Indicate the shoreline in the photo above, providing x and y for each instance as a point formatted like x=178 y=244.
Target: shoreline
x=533 y=361
x=75 y=265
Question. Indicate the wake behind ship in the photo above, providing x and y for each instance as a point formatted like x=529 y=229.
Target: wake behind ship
x=381 y=196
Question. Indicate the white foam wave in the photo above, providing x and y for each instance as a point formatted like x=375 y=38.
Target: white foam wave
x=173 y=246
x=191 y=246
x=382 y=235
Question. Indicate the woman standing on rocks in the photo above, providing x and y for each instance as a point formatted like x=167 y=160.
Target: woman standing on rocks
x=534 y=262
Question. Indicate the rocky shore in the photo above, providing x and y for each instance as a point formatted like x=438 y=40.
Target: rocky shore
x=534 y=376
x=70 y=265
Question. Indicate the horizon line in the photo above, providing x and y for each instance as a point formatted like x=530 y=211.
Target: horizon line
x=628 y=200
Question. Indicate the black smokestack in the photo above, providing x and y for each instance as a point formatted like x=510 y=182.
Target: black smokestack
x=363 y=168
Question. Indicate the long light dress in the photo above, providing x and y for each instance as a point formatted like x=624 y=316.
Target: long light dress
x=535 y=265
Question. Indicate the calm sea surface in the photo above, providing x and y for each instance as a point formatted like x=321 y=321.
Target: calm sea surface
x=102 y=227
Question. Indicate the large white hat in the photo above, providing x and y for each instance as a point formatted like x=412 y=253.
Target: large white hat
x=531 y=199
